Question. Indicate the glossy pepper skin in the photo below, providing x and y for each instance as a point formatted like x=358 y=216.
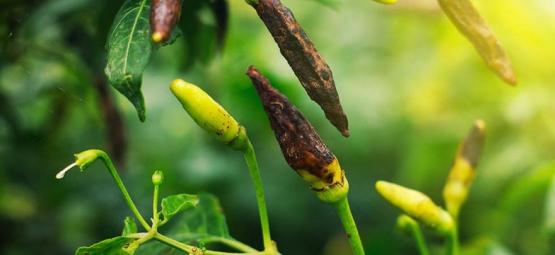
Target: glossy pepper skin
x=164 y=14
x=308 y=65
x=209 y=115
x=301 y=146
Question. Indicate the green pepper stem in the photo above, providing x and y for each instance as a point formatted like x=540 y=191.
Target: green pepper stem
x=453 y=242
x=155 y=216
x=252 y=164
x=419 y=238
x=112 y=169
x=344 y=212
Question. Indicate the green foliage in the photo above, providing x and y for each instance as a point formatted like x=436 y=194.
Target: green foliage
x=198 y=225
x=175 y=204
x=129 y=227
x=112 y=246
x=129 y=49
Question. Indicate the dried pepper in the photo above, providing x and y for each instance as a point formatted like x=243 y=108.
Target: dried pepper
x=308 y=65
x=164 y=14
x=301 y=146
x=463 y=170
x=469 y=22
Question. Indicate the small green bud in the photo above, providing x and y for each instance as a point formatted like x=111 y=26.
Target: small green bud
x=405 y=223
x=157 y=177
x=209 y=115
x=83 y=160
x=416 y=205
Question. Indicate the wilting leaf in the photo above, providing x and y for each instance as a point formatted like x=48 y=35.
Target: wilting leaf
x=469 y=22
x=113 y=246
x=129 y=227
x=129 y=50
x=175 y=204
x=193 y=226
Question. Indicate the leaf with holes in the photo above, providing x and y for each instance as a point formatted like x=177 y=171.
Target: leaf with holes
x=112 y=246
x=129 y=50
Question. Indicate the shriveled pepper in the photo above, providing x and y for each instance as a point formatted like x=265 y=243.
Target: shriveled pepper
x=301 y=146
x=308 y=65
x=471 y=24
x=463 y=170
x=164 y=15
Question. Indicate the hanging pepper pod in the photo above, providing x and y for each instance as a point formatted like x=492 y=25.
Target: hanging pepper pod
x=308 y=65
x=469 y=22
x=210 y=115
x=164 y=14
x=463 y=170
x=301 y=146
x=417 y=205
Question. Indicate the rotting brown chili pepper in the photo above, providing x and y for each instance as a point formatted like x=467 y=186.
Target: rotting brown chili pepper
x=301 y=146
x=164 y=14
x=308 y=65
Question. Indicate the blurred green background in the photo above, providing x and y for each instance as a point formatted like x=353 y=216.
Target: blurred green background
x=410 y=84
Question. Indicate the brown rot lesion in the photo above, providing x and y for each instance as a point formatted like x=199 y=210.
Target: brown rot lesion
x=164 y=15
x=306 y=62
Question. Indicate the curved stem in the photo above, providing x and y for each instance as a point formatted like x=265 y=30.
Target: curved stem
x=231 y=243
x=252 y=164
x=453 y=242
x=126 y=196
x=419 y=238
x=344 y=212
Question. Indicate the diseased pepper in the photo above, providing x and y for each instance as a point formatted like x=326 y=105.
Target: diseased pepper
x=469 y=22
x=301 y=146
x=164 y=14
x=308 y=65
x=463 y=170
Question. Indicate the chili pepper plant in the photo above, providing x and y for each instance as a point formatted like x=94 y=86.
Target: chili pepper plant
x=194 y=223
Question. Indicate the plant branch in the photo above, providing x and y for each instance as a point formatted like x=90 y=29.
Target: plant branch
x=252 y=164
x=453 y=242
x=419 y=238
x=239 y=246
x=344 y=212
x=112 y=169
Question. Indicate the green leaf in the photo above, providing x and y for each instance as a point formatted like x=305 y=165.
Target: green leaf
x=129 y=51
x=129 y=227
x=194 y=226
x=175 y=204
x=113 y=246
